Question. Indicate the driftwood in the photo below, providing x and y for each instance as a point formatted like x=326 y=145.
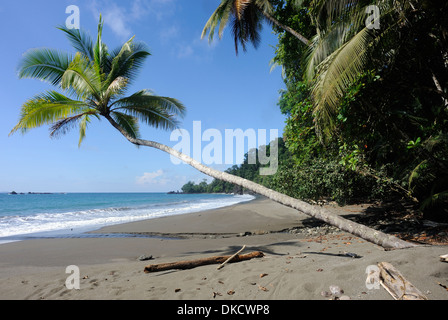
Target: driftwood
x=394 y=283
x=230 y=258
x=183 y=265
x=444 y=258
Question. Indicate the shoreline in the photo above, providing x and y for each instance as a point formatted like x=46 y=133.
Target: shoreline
x=89 y=231
x=297 y=265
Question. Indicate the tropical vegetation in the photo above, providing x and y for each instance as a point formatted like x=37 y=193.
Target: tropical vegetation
x=366 y=97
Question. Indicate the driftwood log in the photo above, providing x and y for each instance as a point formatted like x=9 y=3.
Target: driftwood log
x=444 y=258
x=184 y=265
x=230 y=258
x=394 y=283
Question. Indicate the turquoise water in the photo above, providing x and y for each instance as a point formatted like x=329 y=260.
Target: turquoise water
x=26 y=216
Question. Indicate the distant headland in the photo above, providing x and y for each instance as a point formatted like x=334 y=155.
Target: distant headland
x=16 y=193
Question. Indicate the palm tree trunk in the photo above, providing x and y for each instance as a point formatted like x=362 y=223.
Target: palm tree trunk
x=359 y=230
x=286 y=28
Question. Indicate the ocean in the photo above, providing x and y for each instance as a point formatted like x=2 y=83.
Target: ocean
x=28 y=216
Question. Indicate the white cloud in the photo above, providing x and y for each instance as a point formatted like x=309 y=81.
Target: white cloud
x=117 y=20
x=119 y=17
x=185 y=51
x=169 y=33
x=152 y=178
x=199 y=49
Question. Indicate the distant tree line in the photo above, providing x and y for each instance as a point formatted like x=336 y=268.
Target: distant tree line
x=245 y=170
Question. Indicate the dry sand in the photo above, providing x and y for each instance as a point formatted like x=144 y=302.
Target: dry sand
x=295 y=267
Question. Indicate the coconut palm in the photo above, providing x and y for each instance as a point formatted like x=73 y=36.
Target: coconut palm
x=97 y=79
x=246 y=18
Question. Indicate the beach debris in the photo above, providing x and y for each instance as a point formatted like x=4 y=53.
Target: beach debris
x=184 y=265
x=216 y=294
x=245 y=234
x=263 y=288
x=444 y=258
x=350 y=254
x=230 y=258
x=397 y=286
x=443 y=286
x=320 y=270
x=263 y=275
x=177 y=290
x=336 y=290
x=145 y=257
x=230 y=292
x=335 y=293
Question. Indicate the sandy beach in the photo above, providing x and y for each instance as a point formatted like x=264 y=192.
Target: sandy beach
x=296 y=265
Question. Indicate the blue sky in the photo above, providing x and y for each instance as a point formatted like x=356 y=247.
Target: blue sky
x=220 y=89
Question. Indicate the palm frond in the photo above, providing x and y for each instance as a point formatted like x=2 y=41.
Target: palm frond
x=147 y=99
x=266 y=5
x=84 y=121
x=116 y=88
x=245 y=17
x=335 y=75
x=64 y=125
x=100 y=52
x=80 y=40
x=435 y=141
x=341 y=49
x=220 y=17
x=246 y=26
x=82 y=78
x=47 y=108
x=239 y=7
x=415 y=173
x=322 y=46
x=127 y=61
x=44 y=64
x=154 y=117
x=434 y=199
x=156 y=111
x=128 y=123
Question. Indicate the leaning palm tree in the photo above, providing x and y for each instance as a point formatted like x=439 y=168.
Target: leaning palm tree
x=246 y=18
x=97 y=80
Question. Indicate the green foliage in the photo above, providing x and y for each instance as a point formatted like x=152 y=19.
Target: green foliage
x=191 y=187
x=245 y=170
x=328 y=179
x=389 y=125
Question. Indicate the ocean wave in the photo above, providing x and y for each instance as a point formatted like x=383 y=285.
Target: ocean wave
x=91 y=219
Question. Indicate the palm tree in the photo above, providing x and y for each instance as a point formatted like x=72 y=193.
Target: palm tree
x=98 y=78
x=343 y=47
x=246 y=21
